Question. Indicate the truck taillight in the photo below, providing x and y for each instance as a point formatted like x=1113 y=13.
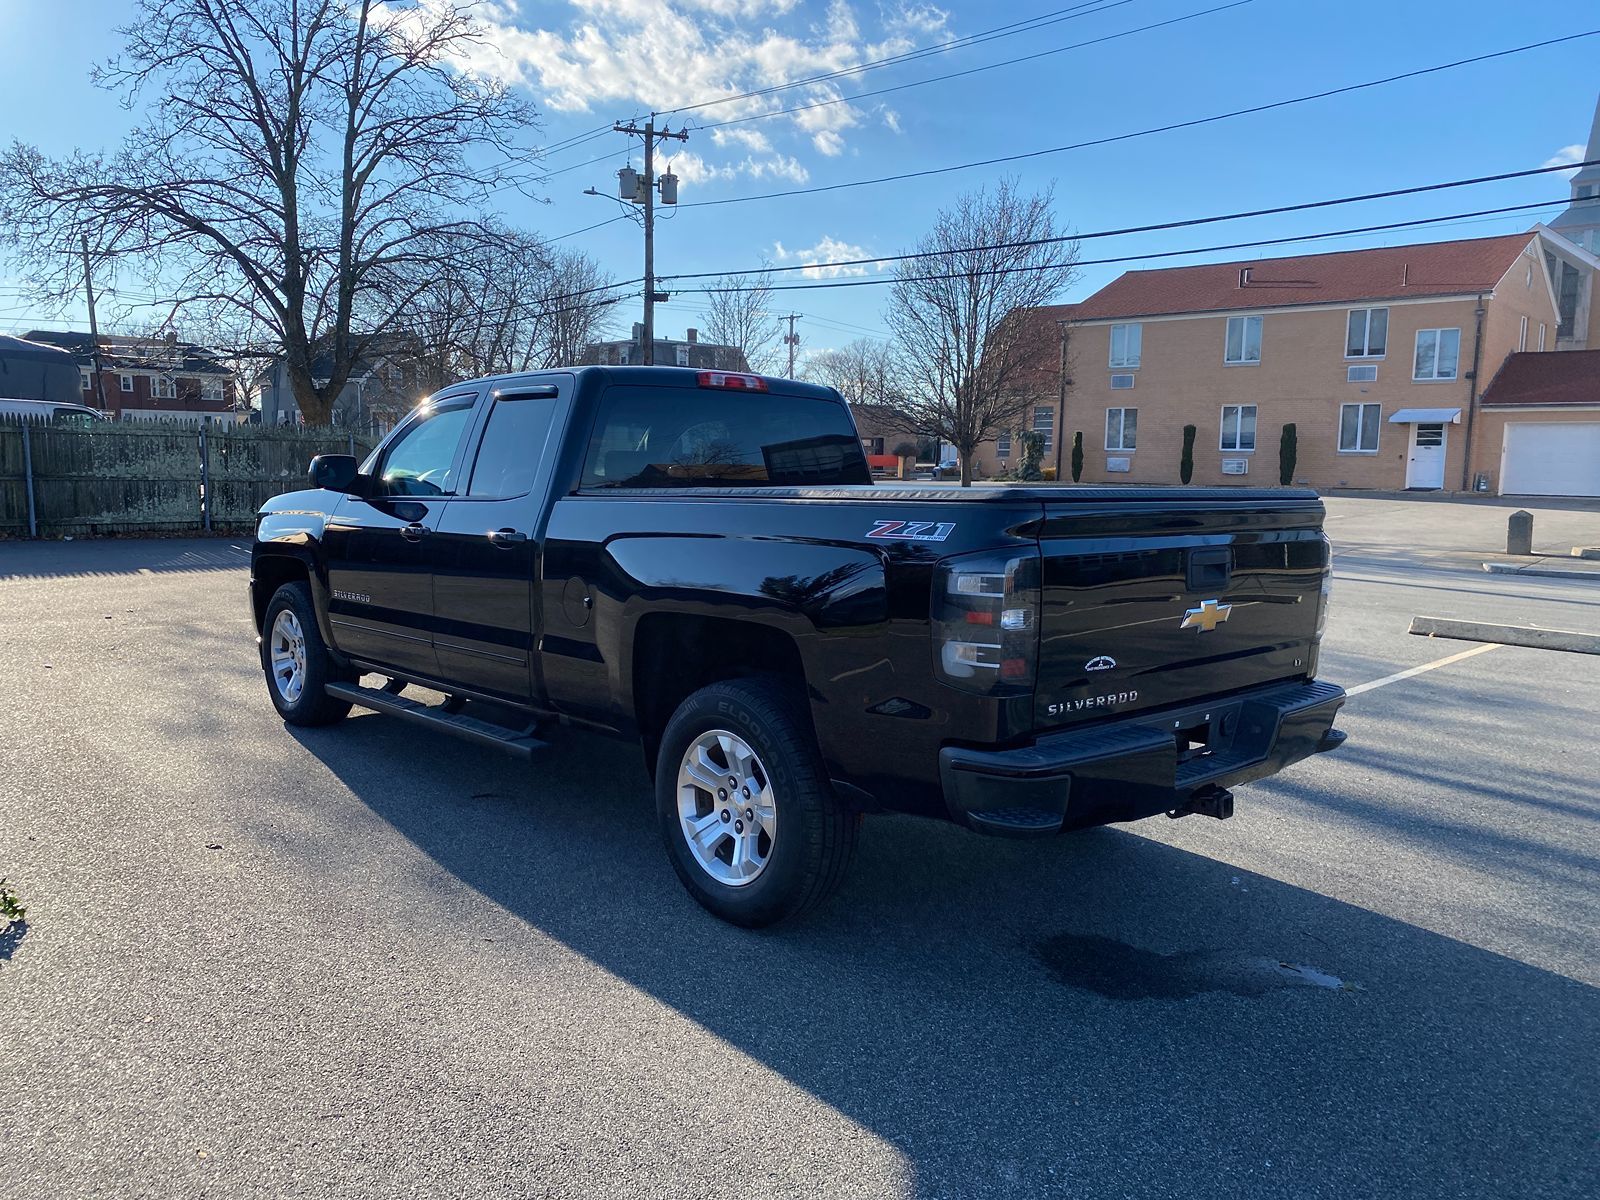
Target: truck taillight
x=986 y=622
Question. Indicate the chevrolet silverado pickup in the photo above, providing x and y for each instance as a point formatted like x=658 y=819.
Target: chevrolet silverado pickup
x=699 y=562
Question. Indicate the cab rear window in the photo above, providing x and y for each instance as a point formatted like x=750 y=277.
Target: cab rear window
x=684 y=437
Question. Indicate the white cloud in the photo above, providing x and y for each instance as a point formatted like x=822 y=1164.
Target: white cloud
x=828 y=249
x=612 y=57
x=1565 y=155
x=692 y=168
x=750 y=139
x=892 y=120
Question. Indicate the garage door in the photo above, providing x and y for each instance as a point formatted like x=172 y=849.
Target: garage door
x=1551 y=460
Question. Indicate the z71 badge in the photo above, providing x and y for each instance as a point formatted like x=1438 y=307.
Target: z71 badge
x=911 y=531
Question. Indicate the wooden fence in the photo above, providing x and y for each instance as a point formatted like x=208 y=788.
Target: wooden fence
x=107 y=477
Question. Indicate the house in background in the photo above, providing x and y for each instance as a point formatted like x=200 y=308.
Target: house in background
x=690 y=352
x=384 y=385
x=1378 y=358
x=149 y=378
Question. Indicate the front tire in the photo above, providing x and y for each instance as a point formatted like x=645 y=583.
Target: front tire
x=749 y=818
x=296 y=660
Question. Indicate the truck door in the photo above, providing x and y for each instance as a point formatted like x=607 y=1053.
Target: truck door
x=378 y=547
x=489 y=540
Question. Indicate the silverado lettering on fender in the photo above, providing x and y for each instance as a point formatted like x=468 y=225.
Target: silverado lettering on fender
x=699 y=562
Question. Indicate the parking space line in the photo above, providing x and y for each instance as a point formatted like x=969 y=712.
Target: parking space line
x=1433 y=666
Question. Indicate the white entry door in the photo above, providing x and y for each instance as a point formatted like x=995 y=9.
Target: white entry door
x=1425 y=466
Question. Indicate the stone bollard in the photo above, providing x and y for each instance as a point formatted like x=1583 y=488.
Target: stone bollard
x=1519 y=533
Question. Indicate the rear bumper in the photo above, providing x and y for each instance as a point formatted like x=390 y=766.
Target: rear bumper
x=1134 y=768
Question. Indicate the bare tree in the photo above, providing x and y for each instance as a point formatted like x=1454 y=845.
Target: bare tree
x=974 y=363
x=515 y=306
x=302 y=164
x=866 y=371
x=575 y=310
x=739 y=314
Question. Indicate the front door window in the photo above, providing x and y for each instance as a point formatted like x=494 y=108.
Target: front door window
x=421 y=460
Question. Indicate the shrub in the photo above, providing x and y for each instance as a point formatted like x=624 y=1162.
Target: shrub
x=1288 y=451
x=1077 y=456
x=1186 y=463
x=1050 y=474
x=1030 y=449
x=905 y=450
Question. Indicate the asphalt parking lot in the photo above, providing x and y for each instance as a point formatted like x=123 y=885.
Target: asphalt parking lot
x=371 y=961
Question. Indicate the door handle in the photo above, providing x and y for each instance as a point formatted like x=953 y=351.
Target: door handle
x=414 y=532
x=506 y=538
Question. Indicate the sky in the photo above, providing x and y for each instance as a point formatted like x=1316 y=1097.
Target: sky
x=585 y=63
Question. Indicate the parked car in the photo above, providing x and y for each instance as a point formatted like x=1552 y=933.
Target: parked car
x=48 y=410
x=698 y=562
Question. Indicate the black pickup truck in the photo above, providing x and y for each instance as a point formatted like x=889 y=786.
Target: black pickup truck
x=699 y=562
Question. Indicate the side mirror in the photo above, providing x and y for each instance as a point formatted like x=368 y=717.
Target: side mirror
x=335 y=472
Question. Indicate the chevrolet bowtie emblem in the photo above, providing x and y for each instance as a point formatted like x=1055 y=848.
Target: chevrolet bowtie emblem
x=1207 y=617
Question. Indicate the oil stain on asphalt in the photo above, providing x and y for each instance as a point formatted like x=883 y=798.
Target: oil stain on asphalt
x=1119 y=971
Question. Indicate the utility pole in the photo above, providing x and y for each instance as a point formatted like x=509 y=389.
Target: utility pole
x=94 y=328
x=792 y=341
x=643 y=191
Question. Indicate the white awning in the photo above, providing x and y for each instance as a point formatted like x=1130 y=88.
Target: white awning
x=1426 y=416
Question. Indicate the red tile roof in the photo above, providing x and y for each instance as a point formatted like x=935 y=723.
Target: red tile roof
x=1383 y=273
x=1557 y=377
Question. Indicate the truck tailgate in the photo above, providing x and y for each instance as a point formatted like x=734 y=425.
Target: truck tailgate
x=1154 y=602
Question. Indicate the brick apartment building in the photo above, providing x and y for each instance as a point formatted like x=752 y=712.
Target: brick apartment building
x=1378 y=358
x=149 y=378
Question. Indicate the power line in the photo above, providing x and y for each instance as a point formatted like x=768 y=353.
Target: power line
x=1054 y=17
x=1304 y=206
x=1123 y=137
x=574 y=233
x=1008 y=62
x=1126 y=258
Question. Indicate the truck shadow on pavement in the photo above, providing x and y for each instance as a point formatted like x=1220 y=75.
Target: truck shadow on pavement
x=1102 y=1014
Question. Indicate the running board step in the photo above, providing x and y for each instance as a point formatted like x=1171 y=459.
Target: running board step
x=483 y=732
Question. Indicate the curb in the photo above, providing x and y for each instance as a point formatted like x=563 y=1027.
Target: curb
x=1507 y=635
x=1548 y=572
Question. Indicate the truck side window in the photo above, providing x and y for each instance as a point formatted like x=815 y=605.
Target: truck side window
x=420 y=461
x=513 y=443
x=685 y=437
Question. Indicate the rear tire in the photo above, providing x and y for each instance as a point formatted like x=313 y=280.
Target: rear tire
x=775 y=841
x=296 y=660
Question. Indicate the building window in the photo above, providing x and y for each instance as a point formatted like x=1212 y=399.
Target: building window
x=1366 y=374
x=1438 y=351
x=126 y=382
x=1238 y=427
x=1358 y=428
x=1121 y=383
x=1367 y=333
x=1044 y=423
x=163 y=387
x=1127 y=343
x=683 y=355
x=1002 y=445
x=1522 y=335
x=213 y=390
x=85 y=381
x=1244 y=341
x=1122 y=428
x=1541 y=335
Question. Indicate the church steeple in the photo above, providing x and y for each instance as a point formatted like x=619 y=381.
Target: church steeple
x=1590 y=175
x=1580 y=223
